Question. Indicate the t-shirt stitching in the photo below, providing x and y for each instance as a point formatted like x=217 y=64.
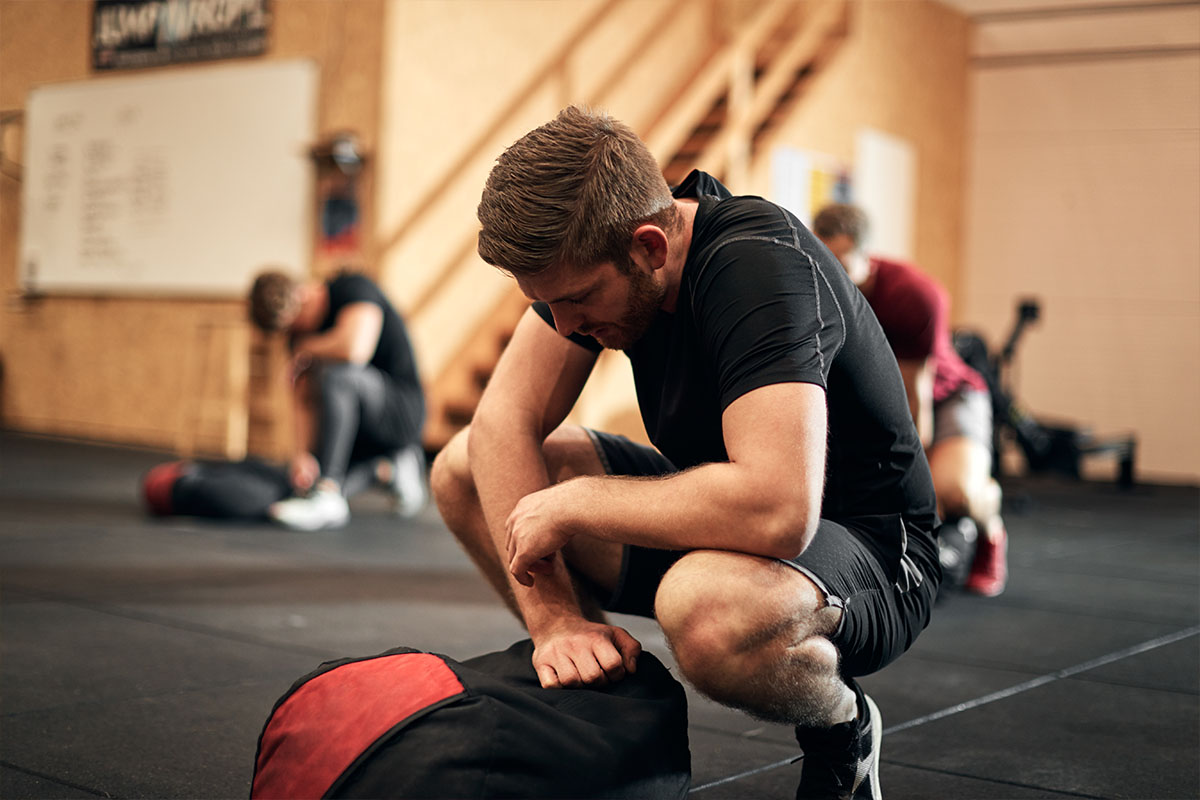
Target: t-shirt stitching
x=832 y=294
x=814 y=266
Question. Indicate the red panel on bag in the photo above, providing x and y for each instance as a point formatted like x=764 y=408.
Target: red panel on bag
x=329 y=721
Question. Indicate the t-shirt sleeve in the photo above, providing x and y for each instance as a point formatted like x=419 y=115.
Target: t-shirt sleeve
x=353 y=288
x=586 y=342
x=765 y=315
x=349 y=288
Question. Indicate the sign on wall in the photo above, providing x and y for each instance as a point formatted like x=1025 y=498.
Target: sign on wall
x=147 y=33
x=805 y=181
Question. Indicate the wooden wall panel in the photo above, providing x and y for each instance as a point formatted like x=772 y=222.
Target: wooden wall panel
x=1085 y=193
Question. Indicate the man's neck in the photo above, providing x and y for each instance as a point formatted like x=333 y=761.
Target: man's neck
x=680 y=245
x=858 y=267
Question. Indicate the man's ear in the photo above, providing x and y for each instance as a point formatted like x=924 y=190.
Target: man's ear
x=649 y=246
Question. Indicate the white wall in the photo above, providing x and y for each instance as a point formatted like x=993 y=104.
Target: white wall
x=1084 y=191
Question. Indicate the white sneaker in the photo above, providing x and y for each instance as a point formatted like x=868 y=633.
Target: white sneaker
x=320 y=509
x=409 y=484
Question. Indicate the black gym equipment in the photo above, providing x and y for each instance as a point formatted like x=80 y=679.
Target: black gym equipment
x=1047 y=447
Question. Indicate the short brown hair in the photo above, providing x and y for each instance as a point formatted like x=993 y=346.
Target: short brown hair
x=842 y=218
x=274 y=300
x=571 y=192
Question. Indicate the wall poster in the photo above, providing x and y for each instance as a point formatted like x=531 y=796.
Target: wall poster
x=805 y=181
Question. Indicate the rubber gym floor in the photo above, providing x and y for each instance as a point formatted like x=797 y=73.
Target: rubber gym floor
x=139 y=657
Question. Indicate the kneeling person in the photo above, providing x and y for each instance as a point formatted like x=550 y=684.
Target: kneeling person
x=356 y=392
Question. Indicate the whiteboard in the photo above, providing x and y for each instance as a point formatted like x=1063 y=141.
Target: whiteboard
x=185 y=182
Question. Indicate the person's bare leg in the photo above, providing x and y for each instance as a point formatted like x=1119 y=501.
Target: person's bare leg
x=752 y=633
x=569 y=453
x=962 y=479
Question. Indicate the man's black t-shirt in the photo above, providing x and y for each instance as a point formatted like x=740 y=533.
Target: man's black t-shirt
x=393 y=354
x=761 y=301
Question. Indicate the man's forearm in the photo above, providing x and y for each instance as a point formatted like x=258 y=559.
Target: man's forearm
x=507 y=466
x=330 y=346
x=714 y=506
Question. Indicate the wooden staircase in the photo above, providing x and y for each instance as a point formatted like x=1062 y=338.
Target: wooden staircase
x=720 y=124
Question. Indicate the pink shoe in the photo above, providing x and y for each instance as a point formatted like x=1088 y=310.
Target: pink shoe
x=989 y=570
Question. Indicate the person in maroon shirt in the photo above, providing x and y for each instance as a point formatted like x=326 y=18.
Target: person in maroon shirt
x=948 y=399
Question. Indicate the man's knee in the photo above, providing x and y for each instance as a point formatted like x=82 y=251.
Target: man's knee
x=570 y=452
x=450 y=478
x=325 y=382
x=720 y=611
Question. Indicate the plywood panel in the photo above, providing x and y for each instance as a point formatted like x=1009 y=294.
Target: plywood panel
x=1119 y=29
x=450 y=68
x=127 y=370
x=1085 y=193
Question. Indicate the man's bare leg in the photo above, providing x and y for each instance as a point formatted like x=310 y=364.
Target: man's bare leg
x=569 y=453
x=962 y=479
x=752 y=633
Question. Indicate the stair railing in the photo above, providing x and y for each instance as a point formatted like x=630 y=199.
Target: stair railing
x=729 y=73
x=750 y=100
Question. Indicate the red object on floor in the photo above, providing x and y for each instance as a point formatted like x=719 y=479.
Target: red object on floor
x=989 y=570
x=157 y=485
x=299 y=759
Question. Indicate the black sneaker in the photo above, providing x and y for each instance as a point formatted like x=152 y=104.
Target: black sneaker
x=957 y=541
x=842 y=762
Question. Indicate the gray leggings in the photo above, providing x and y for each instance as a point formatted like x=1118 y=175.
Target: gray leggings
x=361 y=413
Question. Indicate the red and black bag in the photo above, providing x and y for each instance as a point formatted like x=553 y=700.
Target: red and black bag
x=411 y=724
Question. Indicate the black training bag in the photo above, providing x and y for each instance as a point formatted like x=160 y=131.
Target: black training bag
x=411 y=724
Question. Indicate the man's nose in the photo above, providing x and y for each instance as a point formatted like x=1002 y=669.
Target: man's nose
x=565 y=322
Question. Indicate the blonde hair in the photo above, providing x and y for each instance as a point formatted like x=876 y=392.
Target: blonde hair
x=571 y=192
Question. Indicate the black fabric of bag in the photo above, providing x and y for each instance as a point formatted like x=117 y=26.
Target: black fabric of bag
x=230 y=490
x=504 y=736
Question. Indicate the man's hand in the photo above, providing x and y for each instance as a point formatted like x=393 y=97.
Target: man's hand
x=580 y=652
x=535 y=533
x=300 y=364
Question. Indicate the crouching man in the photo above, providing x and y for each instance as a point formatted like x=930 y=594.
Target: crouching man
x=781 y=531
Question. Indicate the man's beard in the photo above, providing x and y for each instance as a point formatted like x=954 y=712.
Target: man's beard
x=645 y=299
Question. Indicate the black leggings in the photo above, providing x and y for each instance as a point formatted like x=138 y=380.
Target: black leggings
x=361 y=414
x=228 y=490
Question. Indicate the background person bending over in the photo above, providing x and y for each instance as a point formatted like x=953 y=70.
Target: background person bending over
x=948 y=399
x=356 y=391
x=782 y=531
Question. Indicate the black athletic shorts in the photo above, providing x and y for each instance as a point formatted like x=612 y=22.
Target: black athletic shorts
x=882 y=571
